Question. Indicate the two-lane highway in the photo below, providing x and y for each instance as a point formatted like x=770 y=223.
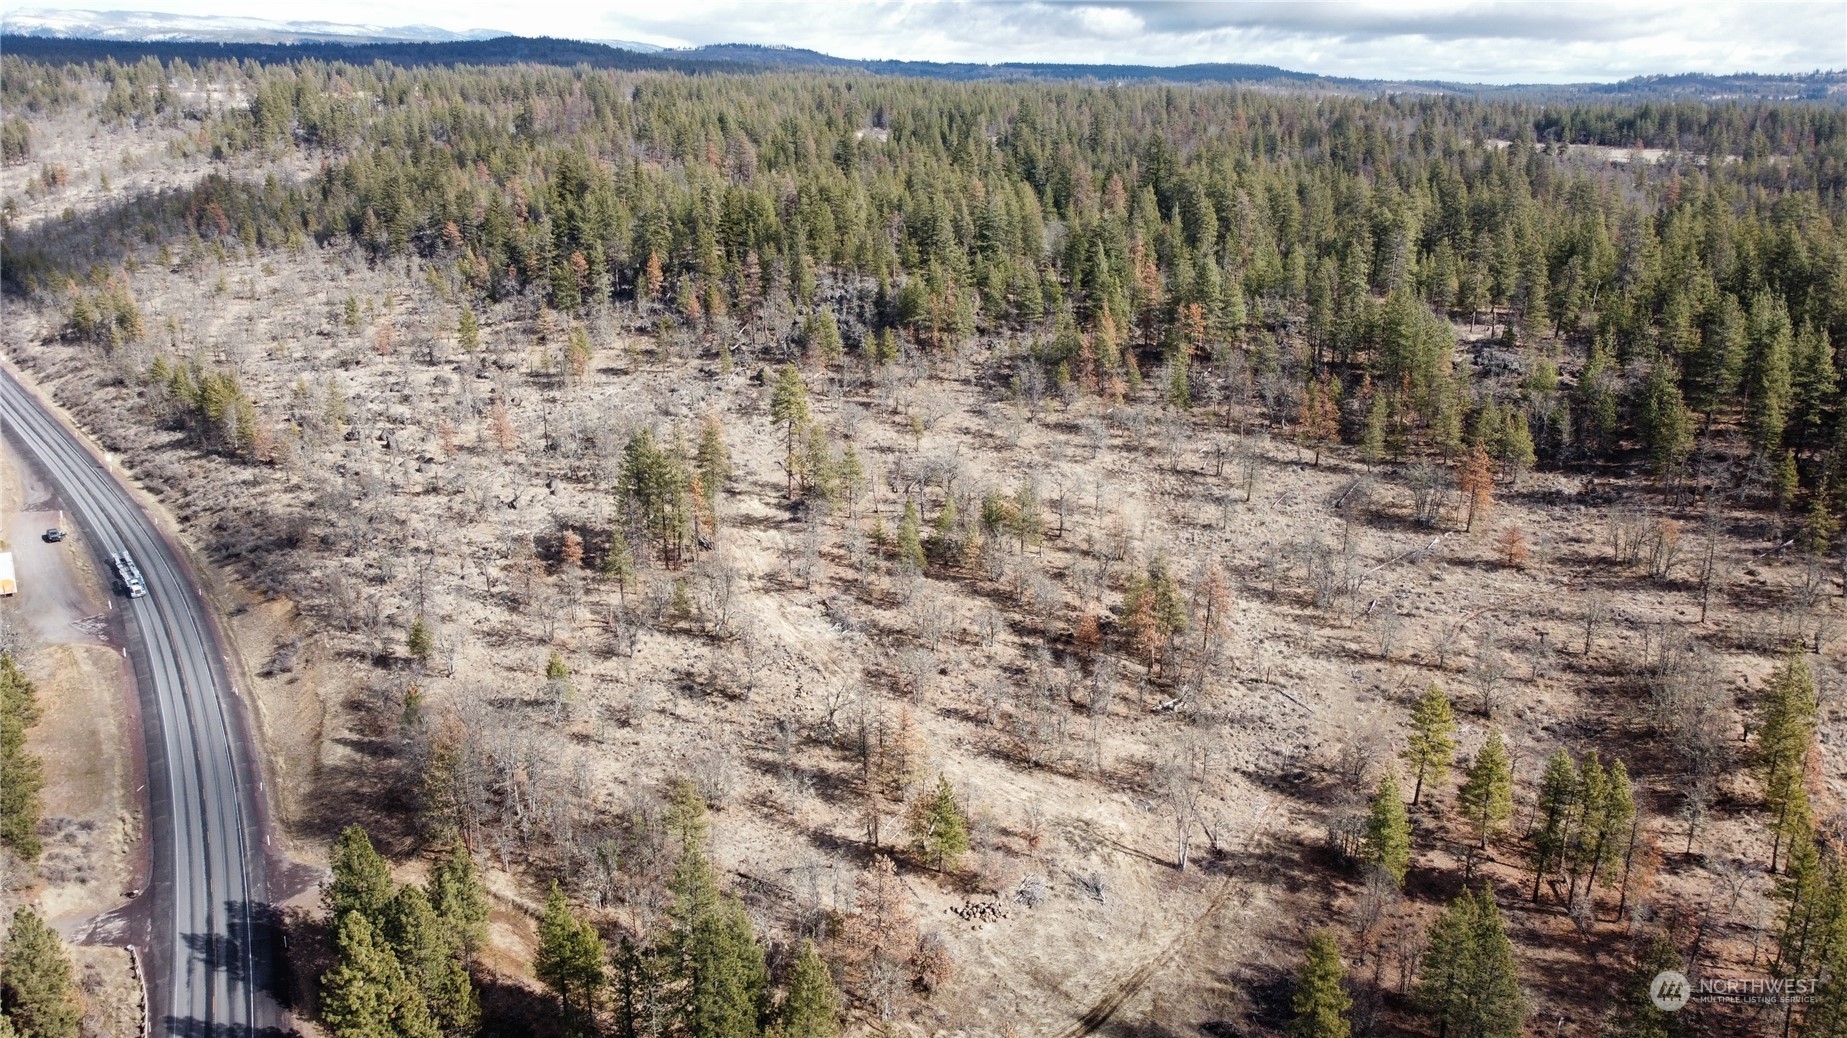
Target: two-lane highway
x=210 y=946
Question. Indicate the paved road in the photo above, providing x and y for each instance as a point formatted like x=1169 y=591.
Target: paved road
x=208 y=930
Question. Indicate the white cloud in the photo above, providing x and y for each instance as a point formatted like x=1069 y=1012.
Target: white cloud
x=1560 y=40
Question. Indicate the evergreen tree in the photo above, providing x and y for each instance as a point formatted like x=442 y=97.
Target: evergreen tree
x=712 y=458
x=619 y=560
x=727 y=980
x=1432 y=743
x=468 y=330
x=1373 y=436
x=789 y=410
x=823 y=335
x=1766 y=373
x=1321 y=1004
x=1665 y=426
x=361 y=879
x=1469 y=985
x=459 y=899
x=811 y=1009
x=1812 y=935
x=37 y=997
x=366 y=994
x=20 y=802
x=1487 y=794
x=1388 y=830
x=1811 y=925
x=653 y=492
x=569 y=960
x=1558 y=804
x=1814 y=382
x=910 y=540
x=939 y=826
x=1516 y=452
x=1606 y=807
x=711 y=948
x=431 y=957
x=1594 y=401
x=420 y=642
x=1635 y=1014
x=1785 y=721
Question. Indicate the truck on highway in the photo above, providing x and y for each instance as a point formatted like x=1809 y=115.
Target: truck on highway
x=8 y=584
x=129 y=574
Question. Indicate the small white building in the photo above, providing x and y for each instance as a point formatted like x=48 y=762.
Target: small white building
x=8 y=585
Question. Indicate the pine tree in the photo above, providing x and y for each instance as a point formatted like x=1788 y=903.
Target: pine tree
x=944 y=531
x=1814 y=382
x=1321 y=1003
x=727 y=980
x=1558 y=804
x=468 y=330
x=1487 y=794
x=459 y=899
x=1516 y=452
x=789 y=410
x=1388 y=830
x=361 y=879
x=1812 y=893
x=811 y=1009
x=1786 y=718
x=823 y=336
x=1469 y=984
x=939 y=826
x=1812 y=936
x=1766 y=373
x=712 y=948
x=1594 y=401
x=569 y=960
x=20 y=801
x=1665 y=425
x=619 y=560
x=712 y=459
x=1432 y=743
x=1635 y=1014
x=431 y=957
x=1373 y=436
x=1605 y=809
x=420 y=642
x=910 y=541
x=367 y=994
x=36 y=994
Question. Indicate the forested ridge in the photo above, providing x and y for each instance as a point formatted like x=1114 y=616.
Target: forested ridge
x=1438 y=295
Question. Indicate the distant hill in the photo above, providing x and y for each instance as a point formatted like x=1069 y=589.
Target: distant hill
x=45 y=44
x=148 y=26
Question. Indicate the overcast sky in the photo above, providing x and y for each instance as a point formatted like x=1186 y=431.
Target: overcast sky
x=1484 y=42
